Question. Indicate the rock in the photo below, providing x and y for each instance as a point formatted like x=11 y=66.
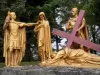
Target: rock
x=37 y=70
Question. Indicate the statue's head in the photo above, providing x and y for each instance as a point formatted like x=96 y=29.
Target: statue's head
x=12 y=15
x=74 y=11
x=42 y=16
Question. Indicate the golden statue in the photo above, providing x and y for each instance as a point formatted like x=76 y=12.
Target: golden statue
x=82 y=32
x=44 y=37
x=73 y=57
x=14 y=40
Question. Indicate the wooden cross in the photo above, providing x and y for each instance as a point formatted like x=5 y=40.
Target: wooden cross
x=72 y=38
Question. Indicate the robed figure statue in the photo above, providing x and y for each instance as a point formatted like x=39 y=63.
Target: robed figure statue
x=44 y=37
x=14 y=40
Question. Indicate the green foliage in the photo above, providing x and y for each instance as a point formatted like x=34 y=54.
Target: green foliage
x=92 y=9
x=28 y=10
x=93 y=18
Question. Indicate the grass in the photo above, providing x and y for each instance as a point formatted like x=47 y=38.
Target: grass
x=23 y=63
x=2 y=65
x=29 y=63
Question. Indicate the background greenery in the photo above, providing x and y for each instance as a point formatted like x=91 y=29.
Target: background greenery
x=28 y=10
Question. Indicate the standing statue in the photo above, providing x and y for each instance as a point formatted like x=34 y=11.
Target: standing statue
x=82 y=32
x=44 y=38
x=14 y=40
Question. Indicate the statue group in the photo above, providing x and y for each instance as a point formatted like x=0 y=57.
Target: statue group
x=15 y=40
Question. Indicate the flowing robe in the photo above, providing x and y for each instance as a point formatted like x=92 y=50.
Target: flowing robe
x=44 y=40
x=82 y=33
x=75 y=58
x=14 y=39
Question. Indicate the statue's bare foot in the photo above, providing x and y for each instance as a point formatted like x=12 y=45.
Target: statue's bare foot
x=42 y=63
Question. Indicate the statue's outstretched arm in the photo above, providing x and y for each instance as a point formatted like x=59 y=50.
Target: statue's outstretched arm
x=31 y=24
x=21 y=24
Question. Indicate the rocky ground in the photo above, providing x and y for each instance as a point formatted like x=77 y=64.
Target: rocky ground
x=37 y=70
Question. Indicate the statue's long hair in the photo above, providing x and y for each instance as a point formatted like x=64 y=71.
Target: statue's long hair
x=42 y=13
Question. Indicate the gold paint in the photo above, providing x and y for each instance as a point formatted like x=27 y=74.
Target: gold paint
x=74 y=58
x=82 y=32
x=14 y=40
x=44 y=37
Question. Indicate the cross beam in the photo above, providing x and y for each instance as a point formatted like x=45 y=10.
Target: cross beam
x=72 y=38
x=75 y=28
x=76 y=39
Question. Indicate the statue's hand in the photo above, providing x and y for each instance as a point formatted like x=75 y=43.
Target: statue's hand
x=78 y=30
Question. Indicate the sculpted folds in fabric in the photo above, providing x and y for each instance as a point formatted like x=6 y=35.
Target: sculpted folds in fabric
x=44 y=38
x=75 y=58
x=82 y=31
x=14 y=40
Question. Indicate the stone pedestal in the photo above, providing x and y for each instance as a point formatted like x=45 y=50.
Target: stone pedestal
x=37 y=70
